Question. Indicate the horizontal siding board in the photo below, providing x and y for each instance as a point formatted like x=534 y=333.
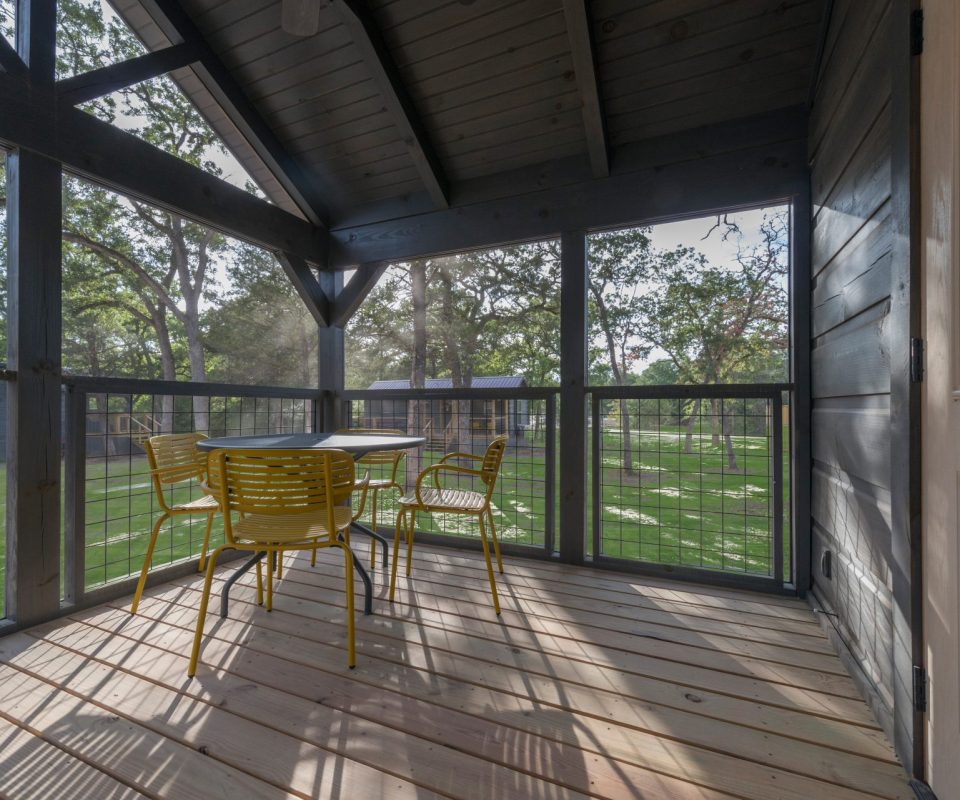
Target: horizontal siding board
x=865 y=614
x=854 y=359
x=863 y=188
x=859 y=25
x=853 y=440
x=857 y=278
x=857 y=516
x=853 y=118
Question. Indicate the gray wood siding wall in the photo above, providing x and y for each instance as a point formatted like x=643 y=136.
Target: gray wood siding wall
x=852 y=237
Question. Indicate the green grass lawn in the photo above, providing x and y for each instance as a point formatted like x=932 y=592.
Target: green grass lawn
x=673 y=508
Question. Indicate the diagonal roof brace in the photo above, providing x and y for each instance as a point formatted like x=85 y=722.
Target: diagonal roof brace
x=366 y=35
x=98 y=82
x=177 y=26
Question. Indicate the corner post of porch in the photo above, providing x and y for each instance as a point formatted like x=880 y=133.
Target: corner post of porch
x=330 y=356
x=34 y=346
x=573 y=408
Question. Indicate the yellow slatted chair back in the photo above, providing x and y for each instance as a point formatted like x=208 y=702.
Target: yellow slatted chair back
x=490 y=466
x=175 y=458
x=389 y=457
x=282 y=482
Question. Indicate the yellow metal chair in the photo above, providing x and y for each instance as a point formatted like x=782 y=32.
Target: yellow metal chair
x=175 y=459
x=454 y=501
x=287 y=500
x=390 y=459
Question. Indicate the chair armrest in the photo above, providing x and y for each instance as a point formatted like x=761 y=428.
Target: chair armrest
x=460 y=455
x=436 y=469
x=361 y=486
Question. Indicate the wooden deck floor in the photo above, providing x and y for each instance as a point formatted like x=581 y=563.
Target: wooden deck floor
x=591 y=684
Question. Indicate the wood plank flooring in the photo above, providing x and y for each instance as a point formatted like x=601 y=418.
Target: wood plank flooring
x=590 y=684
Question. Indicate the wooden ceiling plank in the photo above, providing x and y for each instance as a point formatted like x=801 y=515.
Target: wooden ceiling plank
x=369 y=41
x=176 y=24
x=584 y=64
x=98 y=82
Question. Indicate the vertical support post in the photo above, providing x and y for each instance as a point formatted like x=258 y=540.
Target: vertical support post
x=33 y=347
x=74 y=507
x=330 y=356
x=905 y=325
x=550 y=475
x=573 y=409
x=801 y=464
x=776 y=432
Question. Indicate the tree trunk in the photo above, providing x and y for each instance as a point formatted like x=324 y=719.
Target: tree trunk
x=728 y=442
x=627 y=437
x=168 y=362
x=198 y=374
x=714 y=423
x=691 y=423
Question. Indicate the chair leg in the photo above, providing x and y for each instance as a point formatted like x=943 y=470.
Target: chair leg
x=351 y=640
x=411 y=525
x=259 y=585
x=401 y=518
x=146 y=562
x=373 y=525
x=202 y=614
x=206 y=544
x=496 y=542
x=313 y=557
x=280 y=555
x=486 y=557
x=271 y=554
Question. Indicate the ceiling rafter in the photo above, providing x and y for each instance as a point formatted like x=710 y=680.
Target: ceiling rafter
x=98 y=82
x=177 y=26
x=366 y=35
x=584 y=65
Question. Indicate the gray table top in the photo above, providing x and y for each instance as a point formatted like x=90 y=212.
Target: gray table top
x=356 y=443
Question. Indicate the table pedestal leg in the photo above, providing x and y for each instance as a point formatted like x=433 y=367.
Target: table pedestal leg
x=225 y=595
x=369 y=532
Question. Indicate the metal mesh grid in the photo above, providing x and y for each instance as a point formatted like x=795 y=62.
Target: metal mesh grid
x=120 y=504
x=524 y=495
x=687 y=482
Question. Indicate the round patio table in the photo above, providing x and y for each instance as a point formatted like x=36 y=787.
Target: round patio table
x=357 y=444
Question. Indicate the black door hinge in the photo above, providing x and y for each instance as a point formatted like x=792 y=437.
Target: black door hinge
x=919 y=688
x=916 y=32
x=916 y=360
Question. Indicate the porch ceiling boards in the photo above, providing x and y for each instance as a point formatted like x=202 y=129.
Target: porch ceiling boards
x=590 y=684
x=406 y=100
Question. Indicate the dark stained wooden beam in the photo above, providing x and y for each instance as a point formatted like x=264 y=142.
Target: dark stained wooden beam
x=584 y=65
x=368 y=39
x=355 y=292
x=34 y=326
x=10 y=62
x=573 y=382
x=307 y=286
x=303 y=189
x=98 y=82
x=114 y=158
x=738 y=164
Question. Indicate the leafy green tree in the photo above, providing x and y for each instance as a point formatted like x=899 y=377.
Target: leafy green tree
x=619 y=263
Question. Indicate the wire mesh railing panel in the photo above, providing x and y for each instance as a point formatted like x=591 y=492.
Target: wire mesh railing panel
x=120 y=505
x=689 y=481
x=524 y=497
